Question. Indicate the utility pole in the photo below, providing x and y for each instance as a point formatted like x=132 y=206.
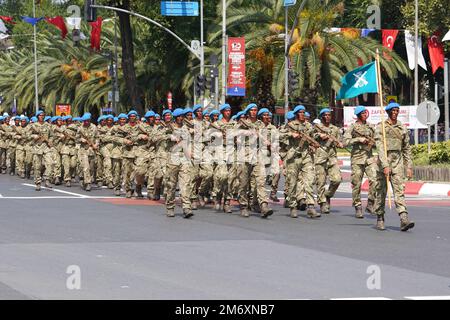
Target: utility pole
x=36 y=89
x=286 y=66
x=224 y=51
x=416 y=70
x=116 y=59
x=446 y=98
x=202 y=49
x=436 y=99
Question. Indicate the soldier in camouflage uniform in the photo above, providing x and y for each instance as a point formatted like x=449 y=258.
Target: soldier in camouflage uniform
x=58 y=142
x=361 y=137
x=248 y=164
x=149 y=127
x=326 y=161
x=141 y=137
x=299 y=163
x=68 y=150
x=118 y=135
x=87 y=136
x=41 y=134
x=179 y=165
x=284 y=148
x=3 y=145
x=106 y=146
x=393 y=166
x=128 y=152
x=21 y=137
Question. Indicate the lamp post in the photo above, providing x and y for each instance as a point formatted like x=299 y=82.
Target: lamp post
x=36 y=89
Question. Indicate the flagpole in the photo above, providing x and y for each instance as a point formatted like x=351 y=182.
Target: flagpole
x=36 y=89
x=380 y=95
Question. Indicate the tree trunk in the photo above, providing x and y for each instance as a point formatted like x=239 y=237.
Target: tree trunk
x=129 y=72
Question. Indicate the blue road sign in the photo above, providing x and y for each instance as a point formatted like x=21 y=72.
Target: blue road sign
x=179 y=9
x=288 y=3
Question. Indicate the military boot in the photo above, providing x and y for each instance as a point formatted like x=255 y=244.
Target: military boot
x=405 y=223
x=369 y=207
x=273 y=197
x=227 y=207
x=294 y=213
x=201 y=202
x=88 y=187
x=47 y=184
x=286 y=201
x=301 y=205
x=265 y=210
x=255 y=208
x=244 y=212
x=129 y=194
x=358 y=212
x=170 y=213
x=311 y=212
x=194 y=205
x=380 y=223
x=117 y=192
x=68 y=184
x=187 y=213
x=22 y=176
x=324 y=208
x=139 y=194
x=57 y=181
x=217 y=205
x=156 y=197
x=38 y=187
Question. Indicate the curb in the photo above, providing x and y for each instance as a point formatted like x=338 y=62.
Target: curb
x=419 y=188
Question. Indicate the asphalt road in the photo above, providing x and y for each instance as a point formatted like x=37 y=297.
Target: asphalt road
x=113 y=248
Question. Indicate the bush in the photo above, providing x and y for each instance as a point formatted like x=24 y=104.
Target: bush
x=440 y=153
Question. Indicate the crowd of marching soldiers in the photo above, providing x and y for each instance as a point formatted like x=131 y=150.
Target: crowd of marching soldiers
x=214 y=157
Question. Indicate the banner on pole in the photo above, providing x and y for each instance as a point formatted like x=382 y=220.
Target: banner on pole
x=236 y=67
x=407 y=116
x=61 y=109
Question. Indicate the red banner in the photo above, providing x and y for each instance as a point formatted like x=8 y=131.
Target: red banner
x=436 y=52
x=236 y=67
x=62 y=109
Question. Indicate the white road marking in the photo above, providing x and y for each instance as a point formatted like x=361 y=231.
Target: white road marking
x=58 y=190
x=429 y=298
x=55 y=197
x=363 y=298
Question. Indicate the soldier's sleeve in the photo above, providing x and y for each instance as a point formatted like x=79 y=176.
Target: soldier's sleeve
x=348 y=137
x=406 y=149
x=284 y=136
x=96 y=137
x=34 y=134
x=380 y=146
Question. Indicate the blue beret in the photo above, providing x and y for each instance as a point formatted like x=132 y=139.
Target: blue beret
x=196 y=107
x=87 y=116
x=290 y=115
x=157 y=116
x=2 y=118
x=34 y=119
x=39 y=113
x=307 y=114
x=225 y=106
x=76 y=119
x=116 y=119
x=47 y=118
x=122 y=116
x=359 y=109
x=109 y=116
x=167 y=111
x=324 y=110
x=101 y=118
x=214 y=112
x=149 y=114
x=263 y=110
x=299 y=108
x=188 y=110
x=53 y=119
x=250 y=106
x=392 y=105
x=132 y=112
x=205 y=112
x=221 y=117
x=239 y=114
x=178 y=112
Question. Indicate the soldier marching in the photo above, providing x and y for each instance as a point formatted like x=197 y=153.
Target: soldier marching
x=214 y=157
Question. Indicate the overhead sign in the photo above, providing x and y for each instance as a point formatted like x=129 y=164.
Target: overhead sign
x=288 y=3
x=62 y=109
x=407 y=116
x=236 y=67
x=179 y=9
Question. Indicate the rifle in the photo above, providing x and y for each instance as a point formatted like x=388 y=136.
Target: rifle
x=88 y=141
x=42 y=138
x=330 y=137
x=371 y=140
x=303 y=136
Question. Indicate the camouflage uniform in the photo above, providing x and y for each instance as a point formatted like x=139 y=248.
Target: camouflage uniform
x=21 y=137
x=58 y=143
x=87 y=152
x=68 y=152
x=106 y=146
x=3 y=147
x=128 y=156
x=326 y=164
x=41 y=134
x=117 y=137
x=362 y=161
x=398 y=159
x=141 y=138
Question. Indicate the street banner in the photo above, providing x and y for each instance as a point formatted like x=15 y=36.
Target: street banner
x=236 y=67
x=359 y=81
x=407 y=116
x=62 y=109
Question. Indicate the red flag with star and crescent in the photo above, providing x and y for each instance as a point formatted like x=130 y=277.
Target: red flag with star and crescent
x=436 y=51
x=389 y=36
x=96 y=33
x=59 y=23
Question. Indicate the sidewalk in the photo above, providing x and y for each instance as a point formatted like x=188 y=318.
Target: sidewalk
x=411 y=187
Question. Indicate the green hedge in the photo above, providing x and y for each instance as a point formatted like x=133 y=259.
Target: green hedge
x=440 y=154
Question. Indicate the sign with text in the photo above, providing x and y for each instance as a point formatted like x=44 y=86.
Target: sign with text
x=179 y=9
x=407 y=116
x=62 y=109
x=236 y=67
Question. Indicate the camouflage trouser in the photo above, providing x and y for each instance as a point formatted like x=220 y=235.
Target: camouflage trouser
x=100 y=171
x=180 y=174
x=300 y=179
x=195 y=182
x=322 y=171
x=87 y=164
x=247 y=171
x=28 y=160
x=151 y=175
x=117 y=173
x=159 y=176
x=207 y=177
x=57 y=164
x=107 y=170
x=222 y=182
x=20 y=161
x=69 y=164
x=357 y=175
x=141 y=168
x=3 y=156
x=234 y=179
x=12 y=158
x=397 y=180
x=39 y=161
x=128 y=173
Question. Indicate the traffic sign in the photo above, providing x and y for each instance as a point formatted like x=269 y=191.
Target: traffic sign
x=428 y=113
x=179 y=9
x=288 y=3
x=195 y=46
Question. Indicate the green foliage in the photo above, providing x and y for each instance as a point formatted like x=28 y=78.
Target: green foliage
x=440 y=154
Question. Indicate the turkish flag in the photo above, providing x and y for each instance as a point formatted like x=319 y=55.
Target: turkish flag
x=389 y=37
x=96 y=33
x=436 y=51
x=7 y=19
x=59 y=23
